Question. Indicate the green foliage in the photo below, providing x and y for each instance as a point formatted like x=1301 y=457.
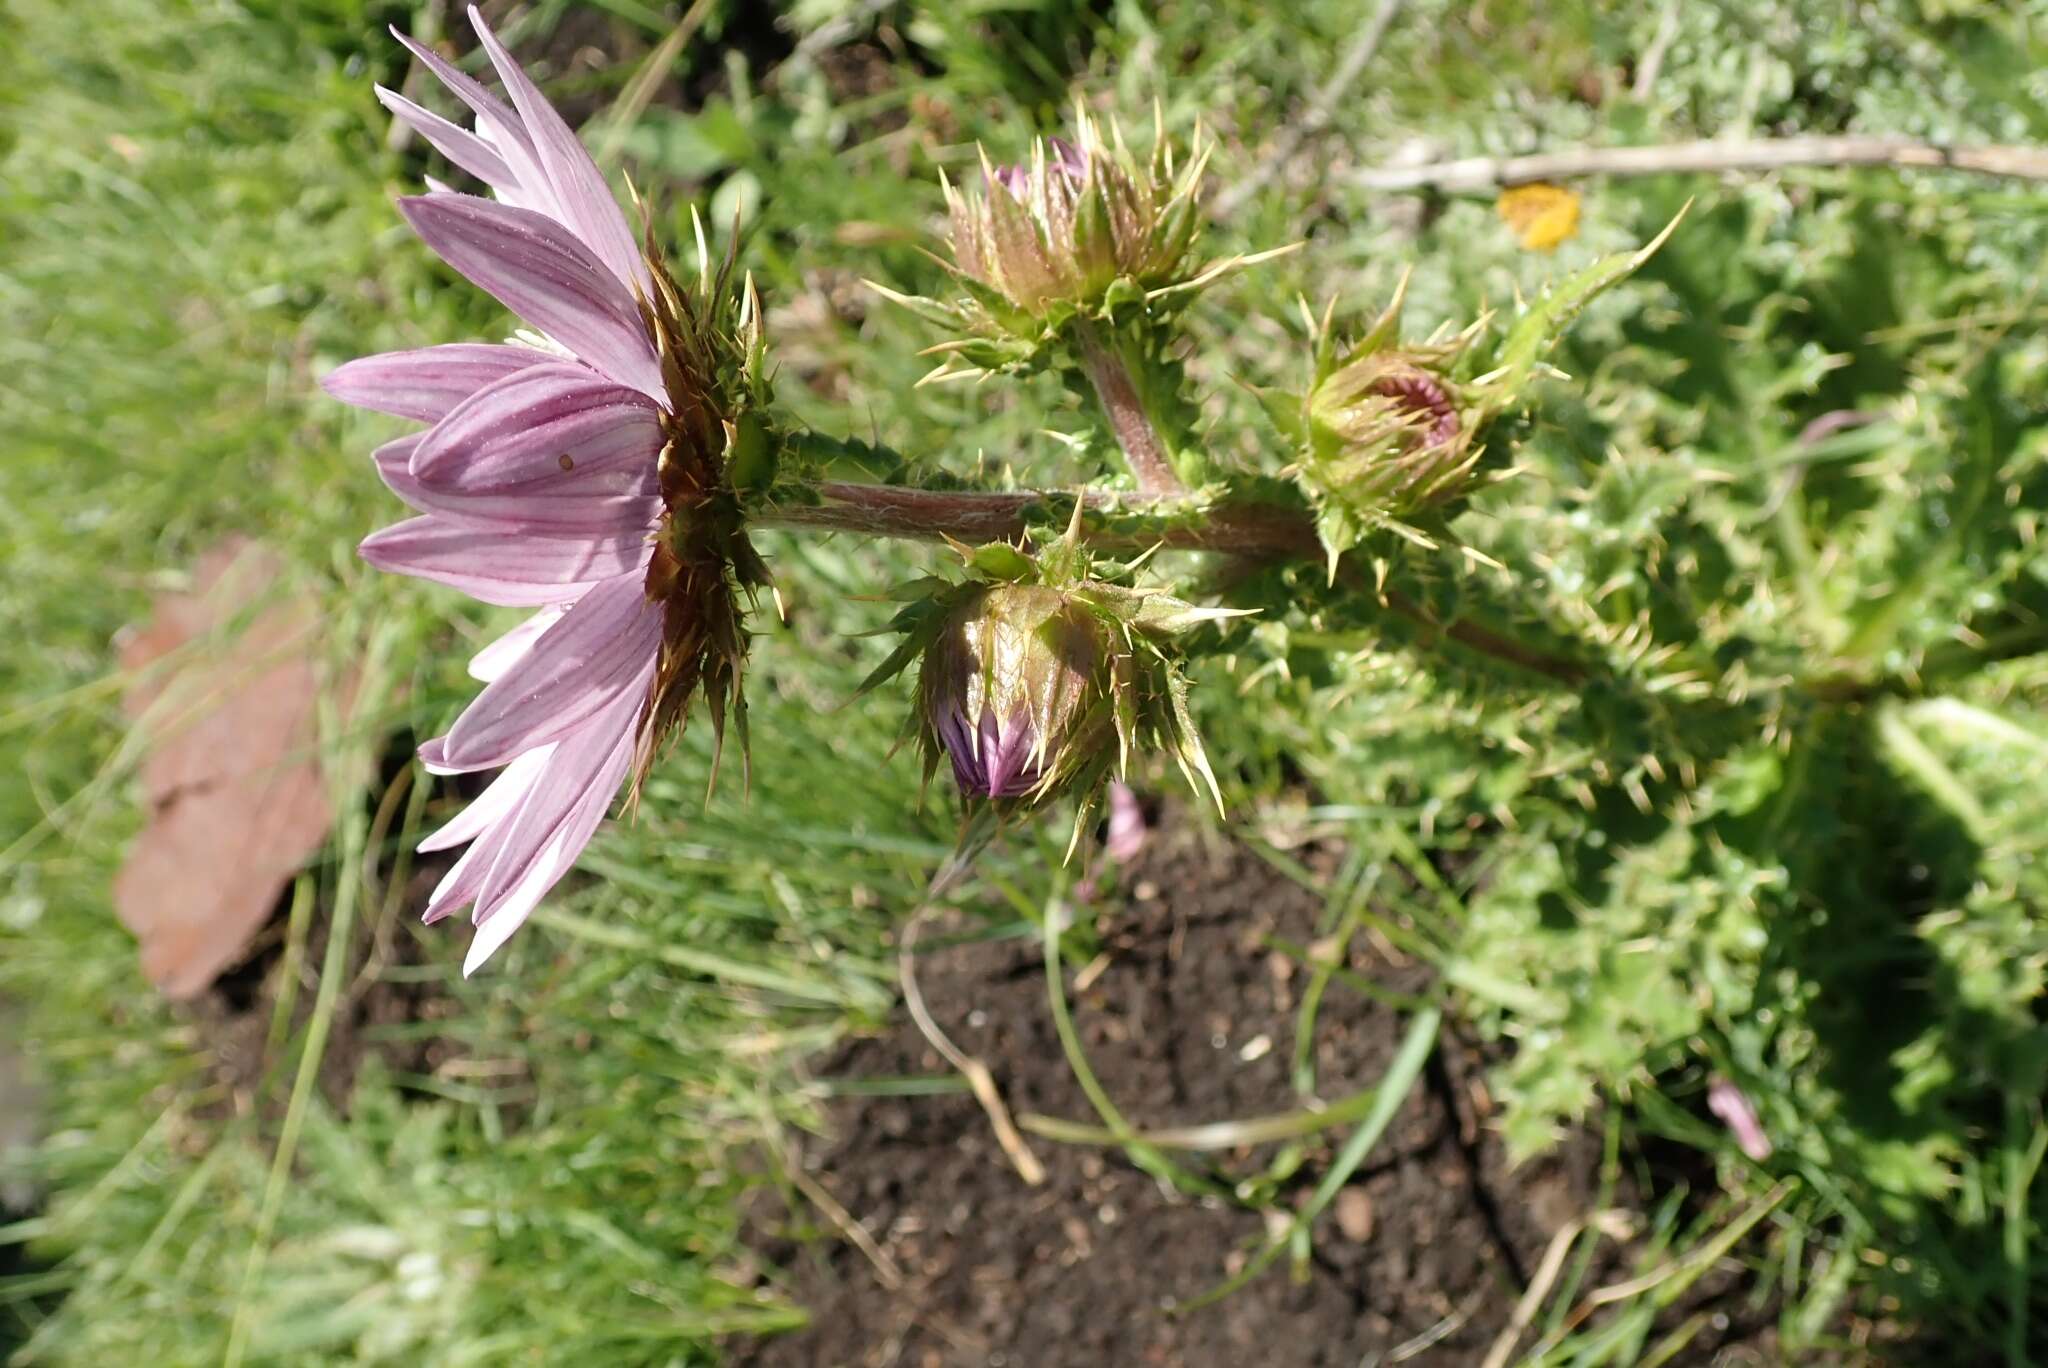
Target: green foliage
x=1706 y=744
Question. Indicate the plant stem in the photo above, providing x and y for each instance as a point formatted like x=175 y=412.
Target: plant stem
x=1259 y=530
x=1252 y=529
x=1144 y=447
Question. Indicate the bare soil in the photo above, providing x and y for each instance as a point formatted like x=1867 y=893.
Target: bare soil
x=1191 y=1019
x=390 y=983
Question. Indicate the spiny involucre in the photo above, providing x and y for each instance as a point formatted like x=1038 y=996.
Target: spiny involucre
x=1039 y=677
x=1084 y=230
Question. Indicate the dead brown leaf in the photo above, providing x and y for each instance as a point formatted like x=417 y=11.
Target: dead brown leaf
x=236 y=799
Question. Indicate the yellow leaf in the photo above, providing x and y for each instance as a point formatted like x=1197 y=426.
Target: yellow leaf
x=1542 y=215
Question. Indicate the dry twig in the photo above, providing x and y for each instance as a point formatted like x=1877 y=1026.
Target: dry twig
x=973 y=1070
x=1709 y=157
x=886 y=1269
x=1320 y=109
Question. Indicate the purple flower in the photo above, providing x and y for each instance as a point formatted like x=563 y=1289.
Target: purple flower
x=536 y=486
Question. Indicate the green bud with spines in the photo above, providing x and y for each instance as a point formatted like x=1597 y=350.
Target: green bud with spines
x=1084 y=231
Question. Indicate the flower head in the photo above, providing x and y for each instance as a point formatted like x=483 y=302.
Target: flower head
x=1060 y=230
x=583 y=471
x=1083 y=230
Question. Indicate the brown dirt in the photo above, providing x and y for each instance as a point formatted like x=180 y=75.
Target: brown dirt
x=388 y=985
x=1421 y=1259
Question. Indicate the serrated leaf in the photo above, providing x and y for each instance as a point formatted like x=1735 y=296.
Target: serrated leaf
x=918 y=590
x=1284 y=410
x=1002 y=561
x=1546 y=320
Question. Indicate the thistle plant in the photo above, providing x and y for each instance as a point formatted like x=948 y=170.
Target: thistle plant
x=606 y=465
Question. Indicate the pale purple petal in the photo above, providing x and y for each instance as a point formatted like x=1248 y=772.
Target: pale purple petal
x=595 y=503
x=496 y=658
x=554 y=824
x=452 y=141
x=536 y=268
x=544 y=426
x=532 y=823
x=498 y=125
x=604 y=647
x=466 y=88
x=499 y=800
x=394 y=467
x=426 y=382
x=508 y=911
x=458 y=887
x=513 y=572
x=434 y=755
x=584 y=201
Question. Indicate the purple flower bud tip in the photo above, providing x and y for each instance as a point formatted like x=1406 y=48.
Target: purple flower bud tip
x=1726 y=1101
x=1015 y=178
x=1420 y=394
x=1068 y=158
x=991 y=760
x=1063 y=157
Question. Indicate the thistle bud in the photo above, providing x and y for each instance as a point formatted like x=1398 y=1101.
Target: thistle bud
x=1013 y=689
x=1387 y=430
x=1082 y=230
x=1041 y=673
x=1060 y=231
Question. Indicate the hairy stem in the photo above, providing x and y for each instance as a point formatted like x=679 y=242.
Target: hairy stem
x=1256 y=530
x=1144 y=447
x=1118 y=524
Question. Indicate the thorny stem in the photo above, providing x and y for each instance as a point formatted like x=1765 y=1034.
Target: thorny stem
x=1255 y=531
x=973 y=516
x=1144 y=448
x=1261 y=531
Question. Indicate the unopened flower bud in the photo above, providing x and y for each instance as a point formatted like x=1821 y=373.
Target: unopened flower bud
x=1012 y=689
x=1388 y=433
x=1063 y=228
x=1387 y=430
x=1041 y=673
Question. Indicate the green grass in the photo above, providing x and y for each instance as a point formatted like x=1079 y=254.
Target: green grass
x=195 y=222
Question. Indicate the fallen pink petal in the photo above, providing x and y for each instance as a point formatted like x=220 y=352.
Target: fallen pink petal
x=1728 y=1102
x=1127 y=827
